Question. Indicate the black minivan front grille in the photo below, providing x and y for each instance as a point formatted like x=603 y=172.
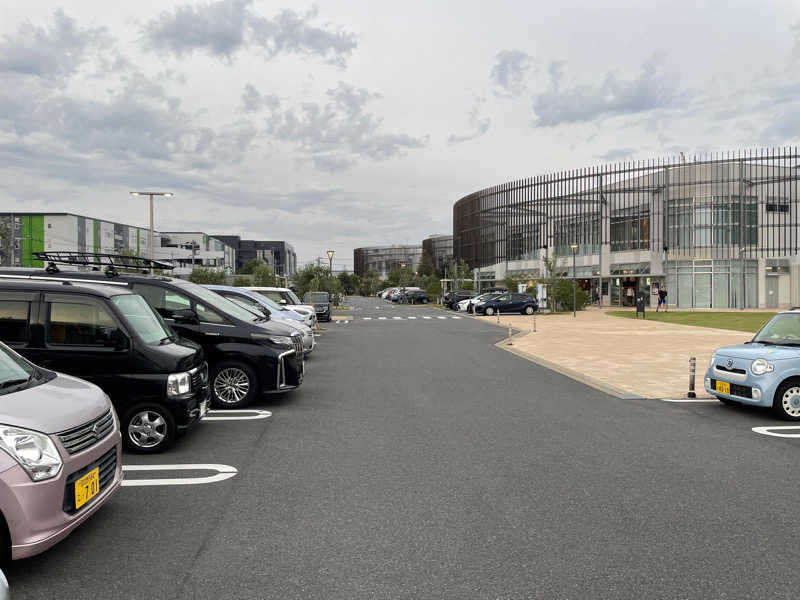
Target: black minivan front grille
x=107 y=465
x=87 y=435
x=199 y=377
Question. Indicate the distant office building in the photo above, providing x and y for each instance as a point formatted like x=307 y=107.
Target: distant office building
x=22 y=234
x=190 y=249
x=439 y=248
x=384 y=259
x=280 y=254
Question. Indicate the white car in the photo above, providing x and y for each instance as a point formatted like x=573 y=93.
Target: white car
x=463 y=305
x=286 y=297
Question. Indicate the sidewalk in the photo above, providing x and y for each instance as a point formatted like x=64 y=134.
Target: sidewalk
x=637 y=358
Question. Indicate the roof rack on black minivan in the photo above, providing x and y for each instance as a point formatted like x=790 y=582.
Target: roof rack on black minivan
x=111 y=262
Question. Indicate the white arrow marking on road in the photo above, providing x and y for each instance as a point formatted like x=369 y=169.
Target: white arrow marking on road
x=772 y=431
x=223 y=472
x=236 y=415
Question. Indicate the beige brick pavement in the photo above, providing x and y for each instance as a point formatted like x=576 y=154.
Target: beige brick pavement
x=635 y=357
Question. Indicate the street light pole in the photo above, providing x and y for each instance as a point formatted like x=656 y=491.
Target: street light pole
x=330 y=261
x=151 y=194
x=573 y=247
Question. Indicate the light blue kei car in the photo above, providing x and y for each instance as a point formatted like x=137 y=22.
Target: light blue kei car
x=764 y=371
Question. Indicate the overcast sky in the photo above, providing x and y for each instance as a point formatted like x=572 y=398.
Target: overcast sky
x=341 y=124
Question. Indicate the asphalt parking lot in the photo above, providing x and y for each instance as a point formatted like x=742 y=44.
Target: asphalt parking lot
x=418 y=460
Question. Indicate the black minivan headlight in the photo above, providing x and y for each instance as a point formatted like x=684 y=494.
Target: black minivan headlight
x=283 y=341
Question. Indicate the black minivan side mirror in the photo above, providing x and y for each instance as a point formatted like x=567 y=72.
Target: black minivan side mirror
x=186 y=316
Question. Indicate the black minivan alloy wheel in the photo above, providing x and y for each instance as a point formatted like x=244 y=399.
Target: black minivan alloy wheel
x=147 y=428
x=233 y=385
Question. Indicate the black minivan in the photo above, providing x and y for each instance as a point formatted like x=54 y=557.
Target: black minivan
x=111 y=337
x=247 y=354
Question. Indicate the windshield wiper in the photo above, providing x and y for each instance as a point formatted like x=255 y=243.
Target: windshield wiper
x=765 y=343
x=13 y=382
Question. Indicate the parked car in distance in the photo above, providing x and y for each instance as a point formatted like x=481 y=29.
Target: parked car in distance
x=111 y=337
x=473 y=302
x=413 y=296
x=259 y=304
x=454 y=297
x=246 y=354
x=61 y=459
x=764 y=371
x=286 y=297
x=508 y=303
x=321 y=301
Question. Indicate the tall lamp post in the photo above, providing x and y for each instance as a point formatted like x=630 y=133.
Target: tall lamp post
x=330 y=261
x=151 y=194
x=573 y=247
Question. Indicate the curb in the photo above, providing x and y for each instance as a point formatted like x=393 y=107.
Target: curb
x=579 y=377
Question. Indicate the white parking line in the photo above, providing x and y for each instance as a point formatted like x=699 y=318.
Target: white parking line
x=237 y=415
x=689 y=400
x=223 y=472
x=427 y=317
x=441 y=317
x=412 y=318
x=367 y=318
x=381 y=318
x=397 y=318
x=455 y=317
x=772 y=431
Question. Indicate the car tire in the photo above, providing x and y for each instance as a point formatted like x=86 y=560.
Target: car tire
x=147 y=428
x=489 y=311
x=233 y=385
x=786 y=403
x=528 y=310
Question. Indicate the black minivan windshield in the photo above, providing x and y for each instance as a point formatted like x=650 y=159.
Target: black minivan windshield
x=142 y=319
x=319 y=296
x=221 y=303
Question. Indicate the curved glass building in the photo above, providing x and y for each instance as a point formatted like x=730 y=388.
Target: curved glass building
x=719 y=231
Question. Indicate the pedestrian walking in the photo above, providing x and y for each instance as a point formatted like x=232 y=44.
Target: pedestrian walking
x=662 y=298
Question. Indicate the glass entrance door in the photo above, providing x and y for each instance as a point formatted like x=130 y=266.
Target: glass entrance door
x=702 y=290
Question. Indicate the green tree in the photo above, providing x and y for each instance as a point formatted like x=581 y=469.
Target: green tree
x=426 y=266
x=350 y=282
x=433 y=287
x=202 y=275
x=310 y=278
x=562 y=294
x=263 y=275
x=510 y=283
x=459 y=273
x=370 y=283
x=249 y=266
x=241 y=281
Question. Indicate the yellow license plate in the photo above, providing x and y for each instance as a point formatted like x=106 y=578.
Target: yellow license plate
x=724 y=387
x=87 y=487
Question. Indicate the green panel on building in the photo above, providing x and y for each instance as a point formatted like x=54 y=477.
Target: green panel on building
x=32 y=239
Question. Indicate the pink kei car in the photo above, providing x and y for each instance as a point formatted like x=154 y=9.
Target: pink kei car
x=60 y=459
